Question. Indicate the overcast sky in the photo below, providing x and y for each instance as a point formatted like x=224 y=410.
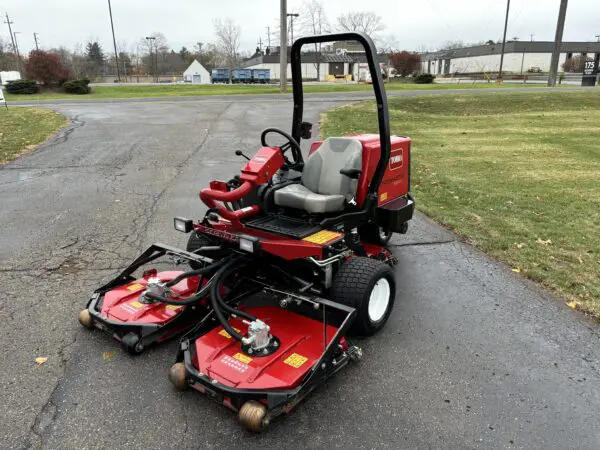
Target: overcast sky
x=415 y=24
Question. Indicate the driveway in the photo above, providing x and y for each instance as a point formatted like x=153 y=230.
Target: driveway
x=473 y=355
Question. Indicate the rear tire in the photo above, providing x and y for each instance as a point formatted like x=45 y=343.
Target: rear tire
x=371 y=233
x=369 y=286
x=198 y=240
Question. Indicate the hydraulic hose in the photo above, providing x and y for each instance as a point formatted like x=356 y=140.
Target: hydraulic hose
x=183 y=301
x=201 y=271
x=218 y=304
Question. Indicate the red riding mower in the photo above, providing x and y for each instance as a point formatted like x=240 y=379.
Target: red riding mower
x=288 y=261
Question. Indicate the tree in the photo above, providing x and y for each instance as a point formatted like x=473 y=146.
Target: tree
x=228 y=40
x=95 y=59
x=490 y=42
x=363 y=21
x=185 y=54
x=575 y=64
x=46 y=68
x=405 y=62
x=313 y=20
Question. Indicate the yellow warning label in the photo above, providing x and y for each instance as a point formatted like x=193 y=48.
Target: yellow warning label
x=226 y=334
x=136 y=304
x=295 y=360
x=383 y=197
x=135 y=287
x=174 y=307
x=323 y=237
x=243 y=358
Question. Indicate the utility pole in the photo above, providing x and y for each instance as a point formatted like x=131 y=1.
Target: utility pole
x=597 y=38
x=17 y=48
x=504 y=40
x=259 y=43
x=150 y=39
x=114 y=41
x=12 y=39
x=523 y=58
x=562 y=13
x=291 y=16
x=269 y=36
x=37 y=48
x=283 y=53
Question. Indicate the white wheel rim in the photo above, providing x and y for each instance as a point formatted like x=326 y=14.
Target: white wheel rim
x=383 y=234
x=379 y=299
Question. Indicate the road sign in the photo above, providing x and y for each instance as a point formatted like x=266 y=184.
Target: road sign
x=590 y=73
x=2 y=99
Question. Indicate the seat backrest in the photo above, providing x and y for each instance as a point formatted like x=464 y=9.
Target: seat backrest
x=321 y=173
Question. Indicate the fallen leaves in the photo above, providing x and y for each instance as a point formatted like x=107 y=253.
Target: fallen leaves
x=543 y=242
x=573 y=304
x=40 y=360
x=519 y=245
x=107 y=356
x=516 y=270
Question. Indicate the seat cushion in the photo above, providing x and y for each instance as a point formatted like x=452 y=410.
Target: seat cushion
x=299 y=197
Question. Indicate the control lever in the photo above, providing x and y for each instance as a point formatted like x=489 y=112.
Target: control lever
x=240 y=153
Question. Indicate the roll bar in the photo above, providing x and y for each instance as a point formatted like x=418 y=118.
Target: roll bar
x=380 y=97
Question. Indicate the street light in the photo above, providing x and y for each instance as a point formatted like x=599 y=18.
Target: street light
x=151 y=39
x=291 y=16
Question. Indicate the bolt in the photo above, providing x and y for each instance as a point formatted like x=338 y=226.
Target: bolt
x=275 y=344
x=250 y=351
x=323 y=366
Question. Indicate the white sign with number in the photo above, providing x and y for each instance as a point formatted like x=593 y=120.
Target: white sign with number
x=2 y=99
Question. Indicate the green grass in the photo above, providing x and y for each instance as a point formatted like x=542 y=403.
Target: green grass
x=21 y=129
x=178 y=90
x=515 y=174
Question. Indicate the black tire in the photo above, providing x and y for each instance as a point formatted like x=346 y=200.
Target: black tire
x=371 y=233
x=199 y=240
x=353 y=285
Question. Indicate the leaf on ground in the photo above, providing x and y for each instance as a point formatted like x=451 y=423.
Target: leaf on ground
x=580 y=260
x=41 y=360
x=517 y=270
x=539 y=214
x=543 y=242
x=519 y=245
x=572 y=304
x=107 y=356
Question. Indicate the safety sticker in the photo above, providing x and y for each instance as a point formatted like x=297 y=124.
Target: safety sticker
x=173 y=307
x=135 y=287
x=137 y=305
x=323 y=237
x=243 y=358
x=234 y=363
x=295 y=360
x=225 y=334
x=383 y=197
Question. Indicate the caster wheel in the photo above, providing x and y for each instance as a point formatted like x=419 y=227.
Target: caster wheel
x=132 y=344
x=85 y=319
x=177 y=376
x=254 y=416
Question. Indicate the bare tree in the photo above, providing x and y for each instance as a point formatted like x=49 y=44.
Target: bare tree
x=313 y=20
x=364 y=21
x=228 y=40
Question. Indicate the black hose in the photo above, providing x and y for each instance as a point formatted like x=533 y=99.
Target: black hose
x=201 y=271
x=218 y=304
x=184 y=301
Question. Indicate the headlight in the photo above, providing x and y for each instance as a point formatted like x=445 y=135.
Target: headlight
x=183 y=225
x=248 y=244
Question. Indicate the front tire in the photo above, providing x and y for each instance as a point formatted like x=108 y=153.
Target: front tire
x=369 y=286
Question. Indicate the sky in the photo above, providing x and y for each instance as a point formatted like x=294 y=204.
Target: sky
x=414 y=24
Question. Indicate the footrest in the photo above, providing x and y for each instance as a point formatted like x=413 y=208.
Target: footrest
x=285 y=226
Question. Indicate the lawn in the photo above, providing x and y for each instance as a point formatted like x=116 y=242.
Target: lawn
x=179 y=90
x=21 y=129
x=515 y=174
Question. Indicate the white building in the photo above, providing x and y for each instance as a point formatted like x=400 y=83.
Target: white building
x=342 y=60
x=196 y=74
x=520 y=57
x=7 y=76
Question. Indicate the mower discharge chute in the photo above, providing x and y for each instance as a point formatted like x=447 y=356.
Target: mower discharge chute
x=310 y=235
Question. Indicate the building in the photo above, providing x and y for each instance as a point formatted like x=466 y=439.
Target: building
x=519 y=57
x=196 y=74
x=342 y=60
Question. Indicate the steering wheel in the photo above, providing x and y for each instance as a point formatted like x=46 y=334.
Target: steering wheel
x=290 y=144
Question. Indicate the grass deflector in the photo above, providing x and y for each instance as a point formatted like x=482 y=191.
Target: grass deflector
x=289 y=260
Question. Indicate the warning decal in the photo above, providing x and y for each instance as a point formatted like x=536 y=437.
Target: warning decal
x=225 y=334
x=137 y=305
x=295 y=360
x=135 y=287
x=174 y=307
x=234 y=363
x=323 y=237
x=243 y=358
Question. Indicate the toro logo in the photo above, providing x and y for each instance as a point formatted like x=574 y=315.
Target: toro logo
x=396 y=160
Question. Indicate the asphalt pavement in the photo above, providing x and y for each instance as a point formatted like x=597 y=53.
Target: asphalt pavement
x=473 y=356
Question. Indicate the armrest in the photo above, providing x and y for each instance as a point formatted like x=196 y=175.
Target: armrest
x=351 y=173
